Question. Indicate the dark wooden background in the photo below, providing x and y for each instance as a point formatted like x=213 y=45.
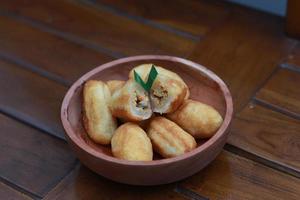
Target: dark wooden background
x=46 y=45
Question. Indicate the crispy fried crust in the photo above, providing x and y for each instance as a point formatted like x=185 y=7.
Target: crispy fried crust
x=168 y=139
x=130 y=142
x=97 y=119
x=198 y=119
x=114 y=85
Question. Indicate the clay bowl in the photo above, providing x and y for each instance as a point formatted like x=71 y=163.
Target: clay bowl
x=205 y=86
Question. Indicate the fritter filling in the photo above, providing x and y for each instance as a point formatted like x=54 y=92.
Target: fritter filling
x=159 y=94
x=141 y=100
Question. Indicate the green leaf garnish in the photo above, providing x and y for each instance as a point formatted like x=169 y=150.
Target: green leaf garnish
x=151 y=77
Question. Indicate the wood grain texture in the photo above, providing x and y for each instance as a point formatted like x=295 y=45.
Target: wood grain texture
x=84 y=184
x=267 y=134
x=100 y=27
x=233 y=177
x=282 y=90
x=293 y=18
x=64 y=39
x=47 y=52
x=236 y=51
x=31 y=98
x=9 y=193
x=195 y=17
x=31 y=159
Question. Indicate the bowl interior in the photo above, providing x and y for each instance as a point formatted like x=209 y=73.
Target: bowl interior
x=202 y=88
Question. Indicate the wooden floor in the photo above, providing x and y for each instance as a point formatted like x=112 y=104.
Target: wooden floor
x=46 y=45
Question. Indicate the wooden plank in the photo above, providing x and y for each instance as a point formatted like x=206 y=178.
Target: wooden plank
x=31 y=159
x=84 y=184
x=195 y=17
x=7 y=192
x=43 y=51
x=99 y=27
x=244 y=51
x=234 y=177
x=293 y=18
x=267 y=134
x=31 y=98
x=282 y=90
x=294 y=58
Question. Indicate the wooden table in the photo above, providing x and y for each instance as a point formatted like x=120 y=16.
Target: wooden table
x=46 y=45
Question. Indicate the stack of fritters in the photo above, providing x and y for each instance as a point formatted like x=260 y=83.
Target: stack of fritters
x=163 y=119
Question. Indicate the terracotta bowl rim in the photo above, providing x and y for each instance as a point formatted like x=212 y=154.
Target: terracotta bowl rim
x=85 y=147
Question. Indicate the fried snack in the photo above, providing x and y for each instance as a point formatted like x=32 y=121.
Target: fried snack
x=130 y=142
x=131 y=102
x=144 y=69
x=97 y=119
x=114 y=85
x=168 y=90
x=166 y=95
x=168 y=139
x=198 y=119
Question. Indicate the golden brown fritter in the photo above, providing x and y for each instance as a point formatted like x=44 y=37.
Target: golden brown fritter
x=198 y=119
x=166 y=95
x=168 y=139
x=130 y=142
x=114 y=85
x=98 y=120
x=131 y=102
